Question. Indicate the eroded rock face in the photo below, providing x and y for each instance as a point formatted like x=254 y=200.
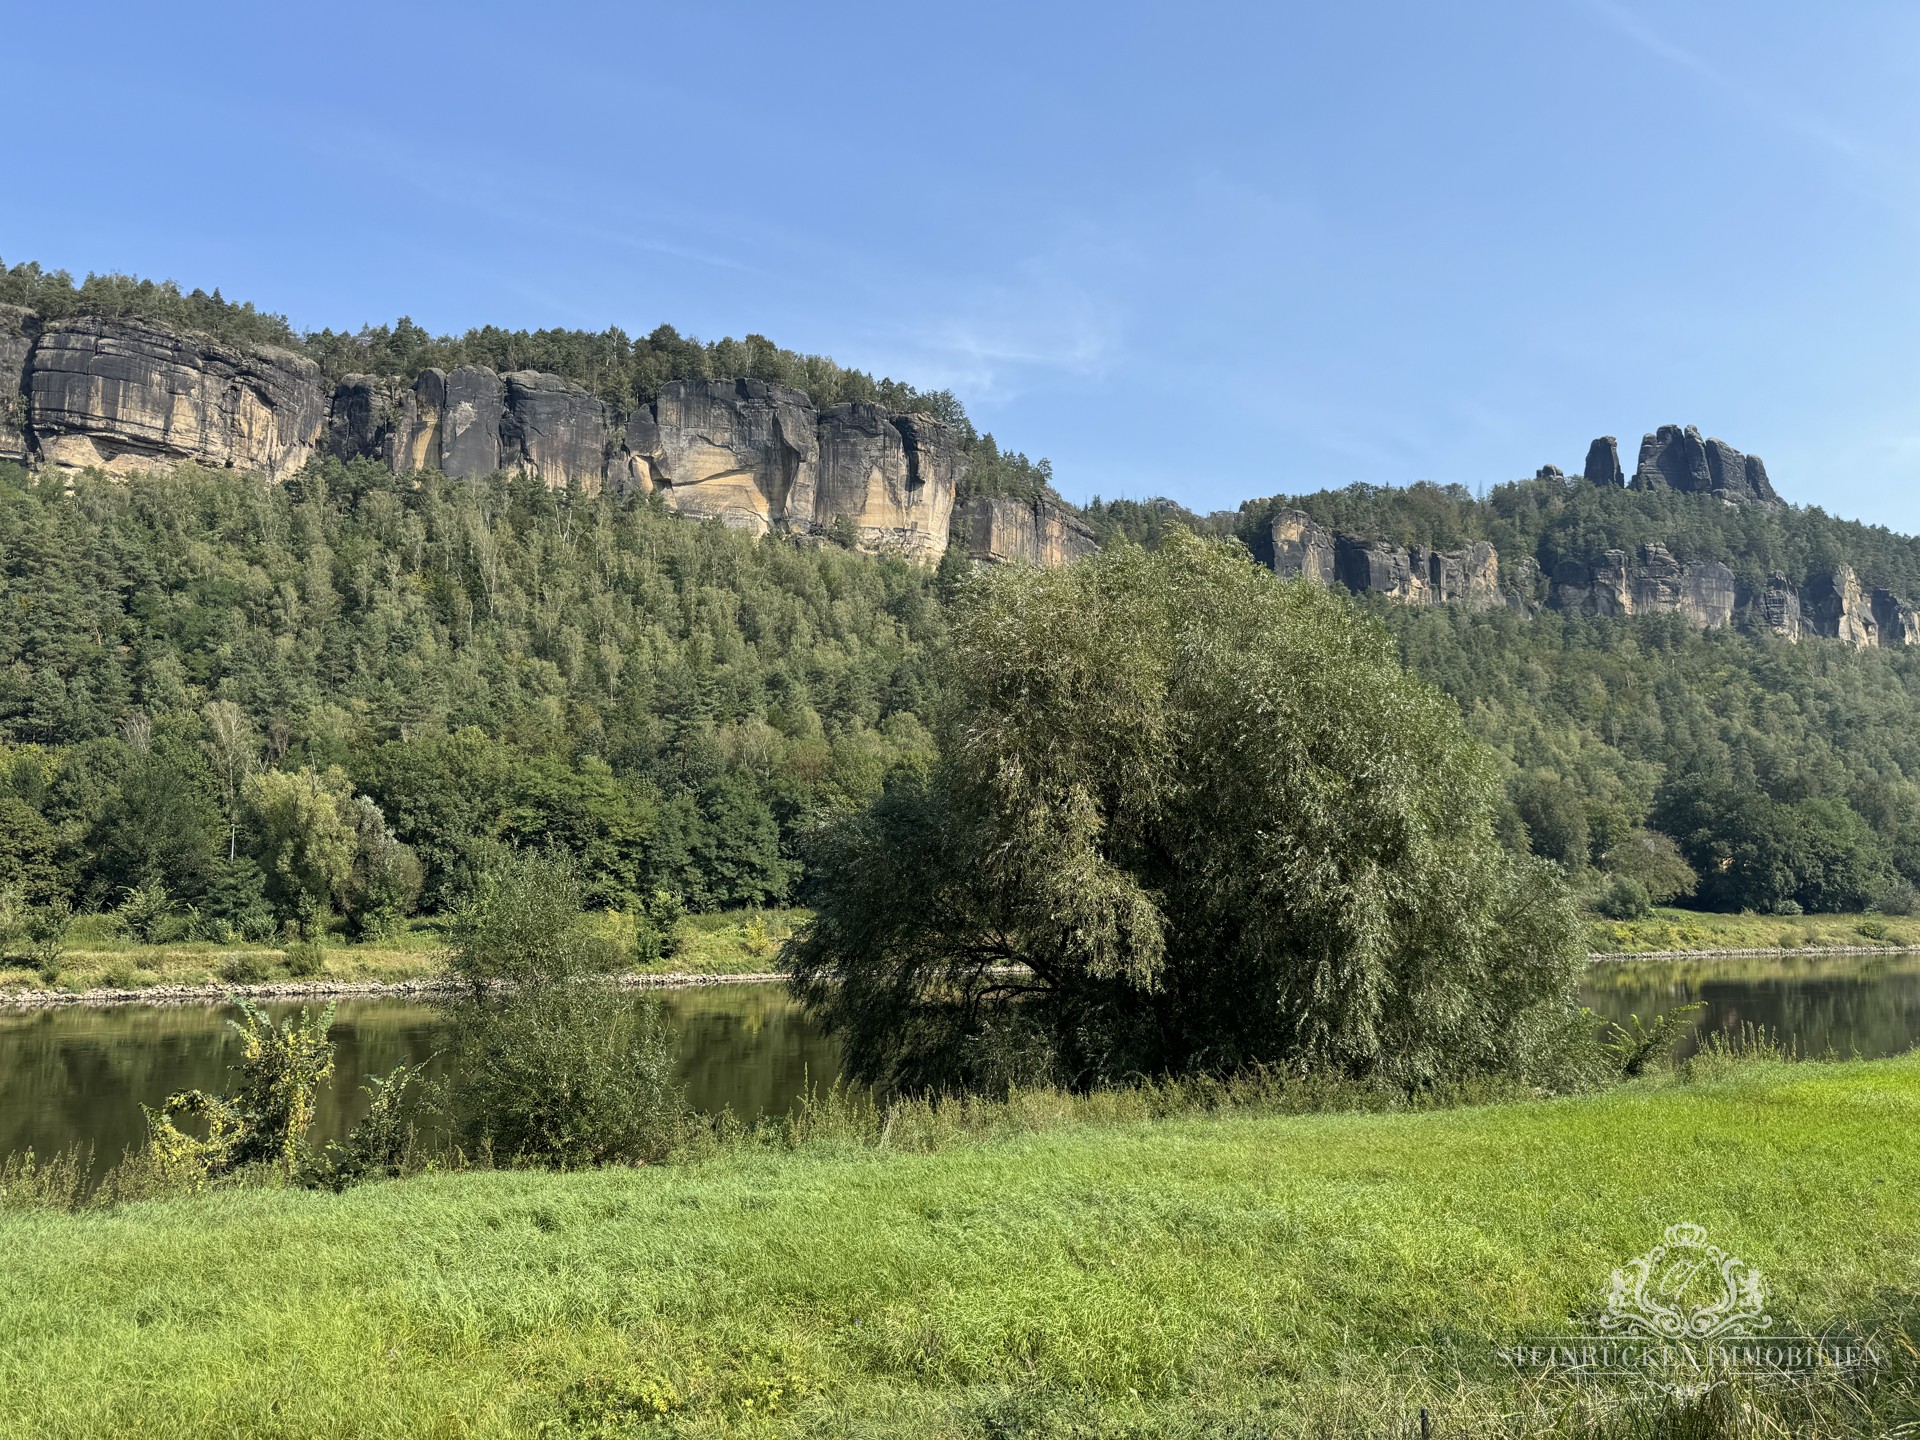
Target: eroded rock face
x=1673 y=458
x=555 y=430
x=1779 y=608
x=470 y=424
x=1294 y=546
x=1417 y=575
x=127 y=396
x=1839 y=608
x=1895 y=622
x=744 y=452
x=890 y=478
x=1650 y=583
x=1002 y=529
x=1603 y=462
x=17 y=329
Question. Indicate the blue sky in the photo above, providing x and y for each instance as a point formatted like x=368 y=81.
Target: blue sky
x=1212 y=252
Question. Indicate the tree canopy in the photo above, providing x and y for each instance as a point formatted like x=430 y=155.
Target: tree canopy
x=1184 y=819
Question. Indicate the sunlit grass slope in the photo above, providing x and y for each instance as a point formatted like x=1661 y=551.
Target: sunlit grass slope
x=1322 y=1275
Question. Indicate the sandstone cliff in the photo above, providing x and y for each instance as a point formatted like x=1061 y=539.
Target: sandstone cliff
x=1293 y=545
x=890 y=478
x=127 y=396
x=1002 y=528
x=1673 y=458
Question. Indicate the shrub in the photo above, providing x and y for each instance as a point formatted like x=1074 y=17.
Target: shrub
x=305 y=959
x=568 y=1074
x=267 y=1119
x=245 y=967
x=1623 y=898
x=143 y=910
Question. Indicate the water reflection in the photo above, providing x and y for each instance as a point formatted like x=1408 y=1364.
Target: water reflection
x=79 y=1075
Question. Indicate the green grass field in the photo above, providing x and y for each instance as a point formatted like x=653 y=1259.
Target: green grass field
x=737 y=942
x=1691 y=930
x=1220 y=1276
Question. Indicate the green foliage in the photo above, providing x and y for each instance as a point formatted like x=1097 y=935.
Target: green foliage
x=266 y=1120
x=526 y=925
x=382 y=1143
x=364 y=688
x=1216 y=823
x=568 y=1073
x=1624 y=898
x=1634 y=1047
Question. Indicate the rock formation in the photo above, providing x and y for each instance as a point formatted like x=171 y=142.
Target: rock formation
x=890 y=479
x=1779 y=608
x=1002 y=528
x=1294 y=546
x=1839 y=608
x=1895 y=621
x=1649 y=583
x=128 y=396
x=1603 y=462
x=1673 y=458
x=554 y=430
x=743 y=452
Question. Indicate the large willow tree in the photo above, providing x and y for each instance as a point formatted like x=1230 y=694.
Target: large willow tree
x=1186 y=818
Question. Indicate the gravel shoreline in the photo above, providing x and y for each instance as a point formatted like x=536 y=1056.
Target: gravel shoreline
x=325 y=990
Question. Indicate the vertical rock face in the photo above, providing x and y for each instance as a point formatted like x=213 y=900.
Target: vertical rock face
x=1002 y=528
x=470 y=423
x=740 y=451
x=1673 y=458
x=360 y=424
x=1294 y=546
x=1837 y=607
x=1779 y=608
x=128 y=396
x=1649 y=583
x=554 y=430
x=890 y=477
x=17 y=329
x=1603 y=462
x=1895 y=622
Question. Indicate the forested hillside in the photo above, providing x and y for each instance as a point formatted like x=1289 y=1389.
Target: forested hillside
x=336 y=695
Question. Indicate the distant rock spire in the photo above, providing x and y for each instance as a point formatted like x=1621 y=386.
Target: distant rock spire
x=1603 y=462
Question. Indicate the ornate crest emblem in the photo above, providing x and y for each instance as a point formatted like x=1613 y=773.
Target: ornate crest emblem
x=1686 y=1289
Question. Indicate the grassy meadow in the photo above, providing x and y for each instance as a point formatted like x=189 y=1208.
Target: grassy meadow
x=737 y=942
x=1668 y=929
x=1074 y=1269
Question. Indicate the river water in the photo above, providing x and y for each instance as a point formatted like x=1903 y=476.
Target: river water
x=78 y=1075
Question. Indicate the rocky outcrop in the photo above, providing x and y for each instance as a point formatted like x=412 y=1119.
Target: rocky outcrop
x=554 y=430
x=1002 y=528
x=1839 y=607
x=888 y=480
x=1778 y=608
x=127 y=396
x=1603 y=463
x=1673 y=458
x=1649 y=583
x=1417 y=575
x=1293 y=546
x=1895 y=621
x=744 y=452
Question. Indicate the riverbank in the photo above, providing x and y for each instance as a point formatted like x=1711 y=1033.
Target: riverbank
x=100 y=969
x=1328 y=1274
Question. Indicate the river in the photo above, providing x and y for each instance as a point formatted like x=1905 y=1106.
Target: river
x=79 y=1074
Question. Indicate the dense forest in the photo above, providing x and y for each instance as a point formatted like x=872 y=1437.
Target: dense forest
x=336 y=697
x=329 y=702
